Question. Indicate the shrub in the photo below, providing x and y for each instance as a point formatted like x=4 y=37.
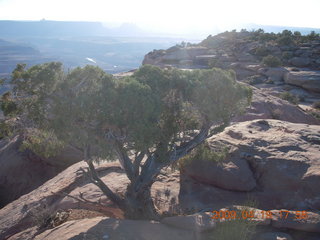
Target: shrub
x=316 y=105
x=6 y=129
x=271 y=61
x=287 y=55
x=289 y=97
x=206 y=153
x=261 y=51
x=7 y=105
x=276 y=113
x=42 y=143
x=285 y=40
x=255 y=79
x=315 y=114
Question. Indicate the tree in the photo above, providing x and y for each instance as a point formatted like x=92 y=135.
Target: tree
x=147 y=121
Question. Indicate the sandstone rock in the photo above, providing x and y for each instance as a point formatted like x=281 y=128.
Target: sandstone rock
x=197 y=222
x=108 y=228
x=300 y=61
x=284 y=161
x=265 y=106
x=17 y=215
x=231 y=175
x=275 y=74
x=60 y=193
x=309 y=223
x=274 y=236
x=21 y=172
x=309 y=80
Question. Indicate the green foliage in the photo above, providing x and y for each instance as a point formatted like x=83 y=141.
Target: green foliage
x=289 y=97
x=146 y=111
x=271 y=61
x=315 y=114
x=316 y=105
x=235 y=229
x=285 y=40
x=313 y=36
x=6 y=129
x=205 y=153
x=255 y=79
x=261 y=51
x=8 y=105
x=287 y=55
x=42 y=143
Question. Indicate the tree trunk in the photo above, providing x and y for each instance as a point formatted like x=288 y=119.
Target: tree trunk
x=139 y=205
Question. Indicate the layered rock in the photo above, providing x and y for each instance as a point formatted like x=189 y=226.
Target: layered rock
x=283 y=159
x=309 y=80
x=227 y=49
x=266 y=106
x=275 y=163
x=23 y=171
x=68 y=189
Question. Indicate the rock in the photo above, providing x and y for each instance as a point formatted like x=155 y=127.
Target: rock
x=265 y=106
x=174 y=56
x=274 y=236
x=283 y=159
x=197 y=222
x=309 y=80
x=231 y=175
x=108 y=228
x=60 y=193
x=18 y=215
x=300 y=61
x=309 y=222
x=21 y=172
x=275 y=74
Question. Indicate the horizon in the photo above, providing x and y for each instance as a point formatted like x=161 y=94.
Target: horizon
x=204 y=17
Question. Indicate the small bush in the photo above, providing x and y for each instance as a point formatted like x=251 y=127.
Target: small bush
x=255 y=79
x=234 y=229
x=315 y=114
x=8 y=106
x=289 y=97
x=42 y=143
x=261 y=51
x=276 y=113
x=316 y=105
x=287 y=55
x=285 y=40
x=205 y=153
x=6 y=129
x=271 y=61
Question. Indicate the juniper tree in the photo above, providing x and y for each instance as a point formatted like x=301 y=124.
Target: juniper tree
x=147 y=121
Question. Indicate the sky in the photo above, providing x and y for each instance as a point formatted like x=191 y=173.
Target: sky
x=178 y=16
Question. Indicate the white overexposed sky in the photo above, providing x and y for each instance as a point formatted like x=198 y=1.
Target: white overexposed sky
x=169 y=15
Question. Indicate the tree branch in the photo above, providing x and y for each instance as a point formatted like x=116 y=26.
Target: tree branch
x=103 y=187
x=124 y=160
x=137 y=162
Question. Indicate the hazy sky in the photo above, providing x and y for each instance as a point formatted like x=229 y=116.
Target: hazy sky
x=169 y=15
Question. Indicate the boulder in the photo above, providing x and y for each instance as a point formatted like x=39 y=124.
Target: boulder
x=21 y=172
x=230 y=175
x=300 y=61
x=275 y=74
x=283 y=158
x=309 y=80
x=18 y=215
x=266 y=106
x=64 y=191
x=308 y=223
x=198 y=222
x=274 y=236
x=108 y=228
